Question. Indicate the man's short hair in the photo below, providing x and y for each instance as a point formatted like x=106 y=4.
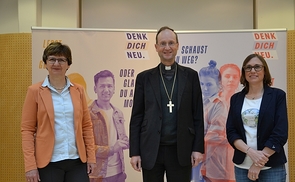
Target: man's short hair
x=103 y=74
x=165 y=28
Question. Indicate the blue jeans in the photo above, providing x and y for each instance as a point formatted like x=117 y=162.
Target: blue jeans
x=274 y=174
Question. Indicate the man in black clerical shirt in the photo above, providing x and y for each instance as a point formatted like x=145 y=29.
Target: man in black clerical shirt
x=166 y=125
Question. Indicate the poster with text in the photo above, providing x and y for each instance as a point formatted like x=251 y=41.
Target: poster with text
x=125 y=53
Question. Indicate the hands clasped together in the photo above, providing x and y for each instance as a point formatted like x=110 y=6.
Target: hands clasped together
x=259 y=159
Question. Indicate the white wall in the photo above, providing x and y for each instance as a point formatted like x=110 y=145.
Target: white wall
x=20 y=15
x=9 y=16
x=275 y=14
x=27 y=15
x=60 y=13
x=181 y=15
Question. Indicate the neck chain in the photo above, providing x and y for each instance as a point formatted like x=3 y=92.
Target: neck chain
x=61 y=88
x=256 y=96
x=170 y=104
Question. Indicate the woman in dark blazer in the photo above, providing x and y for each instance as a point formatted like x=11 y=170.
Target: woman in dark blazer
x=257 y=125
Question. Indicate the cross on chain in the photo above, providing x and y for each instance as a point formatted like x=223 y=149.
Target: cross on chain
x=170 y=105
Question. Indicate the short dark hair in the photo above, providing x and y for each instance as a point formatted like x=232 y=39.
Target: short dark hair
x=166 y=28
x=57 y=49
x=267 y=77
x=103 y=74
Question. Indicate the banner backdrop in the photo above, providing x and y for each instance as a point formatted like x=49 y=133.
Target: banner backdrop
x=125 y=53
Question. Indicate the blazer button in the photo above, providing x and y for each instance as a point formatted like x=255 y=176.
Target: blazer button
x=159 y=132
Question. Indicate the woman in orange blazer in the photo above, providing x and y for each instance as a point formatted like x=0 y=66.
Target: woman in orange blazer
x=57 y=137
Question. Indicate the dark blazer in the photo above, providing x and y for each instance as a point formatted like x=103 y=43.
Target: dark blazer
x=146 y=117
x=272 y=129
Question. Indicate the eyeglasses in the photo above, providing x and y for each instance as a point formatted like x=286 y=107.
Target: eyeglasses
x=164 y=44
x=52 y=60
x=256 y=68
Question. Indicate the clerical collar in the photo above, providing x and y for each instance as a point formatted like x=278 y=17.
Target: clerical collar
x=168 y=73
x=168 y=68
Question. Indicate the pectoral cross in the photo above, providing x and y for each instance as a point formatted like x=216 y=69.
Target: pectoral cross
x=170 y=105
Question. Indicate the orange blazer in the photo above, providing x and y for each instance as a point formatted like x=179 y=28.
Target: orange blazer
x=37 y=126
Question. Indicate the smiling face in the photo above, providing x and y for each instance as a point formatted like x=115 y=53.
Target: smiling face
x=209 y=86
x=57 y=65
x=253 y=76
x=167 y=46
x=104 y=89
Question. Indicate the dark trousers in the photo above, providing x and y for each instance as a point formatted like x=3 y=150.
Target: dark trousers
x=167 y=162
x=70 y=170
